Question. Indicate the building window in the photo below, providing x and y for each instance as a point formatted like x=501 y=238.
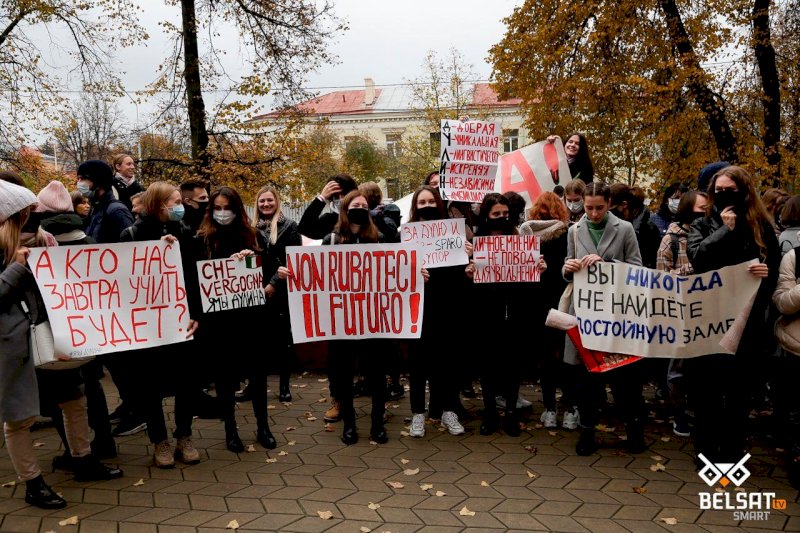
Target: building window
x=510 y=140
x=436 y=143
x=393 y=144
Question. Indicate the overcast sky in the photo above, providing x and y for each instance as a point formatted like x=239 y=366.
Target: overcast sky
x=386 y=41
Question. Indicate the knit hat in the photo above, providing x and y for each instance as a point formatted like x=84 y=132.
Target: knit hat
x=708 y=172
x=54 y=198
x=98 y=172
x=14 y=199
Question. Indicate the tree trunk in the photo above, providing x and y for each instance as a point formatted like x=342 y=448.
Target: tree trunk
x=703 y=96
x=770 y=85
x=194 y=94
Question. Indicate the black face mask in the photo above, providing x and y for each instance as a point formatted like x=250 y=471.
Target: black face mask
x=723 y=199
x=429 y=212
x=498 y=224
x=358 y=215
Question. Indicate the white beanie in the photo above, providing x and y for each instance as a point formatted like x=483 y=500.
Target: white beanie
x=14 y=199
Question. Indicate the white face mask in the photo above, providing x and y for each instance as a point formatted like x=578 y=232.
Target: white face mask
x=335 y=205
x=672 y=205
x=575 y=207
x=224 y=217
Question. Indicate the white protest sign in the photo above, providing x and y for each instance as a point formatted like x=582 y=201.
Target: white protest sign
x=506 y=258
x=533 y=169
x=104 y=298
x=355 y=291
x=441 y=242
x=635 y=310
x=469 y=154
x=230 y=283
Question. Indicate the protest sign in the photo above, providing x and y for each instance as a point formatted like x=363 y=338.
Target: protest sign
x=533 y=169
x=440 y=242
x=355 y=291
x=469 y=154
x=105 y=298
x=506 y=258
x=230 y=283
x=634 y=310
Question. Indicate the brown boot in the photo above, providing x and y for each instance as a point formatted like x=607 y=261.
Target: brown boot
x=163 y=456
x=185 y=451
x=332 y=414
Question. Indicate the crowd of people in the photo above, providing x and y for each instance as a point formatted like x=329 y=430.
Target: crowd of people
x=721 y=221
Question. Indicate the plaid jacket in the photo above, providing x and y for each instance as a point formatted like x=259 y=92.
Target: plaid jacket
x=671 y=256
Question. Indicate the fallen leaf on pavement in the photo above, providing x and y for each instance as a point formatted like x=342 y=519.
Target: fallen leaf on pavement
x=656 y=458
x=291 y=443
x=738 y=489
x=38 y=444
x=329 y=428
x=670 y=521
x=405 y=461
x=426 y=486
x=251 y=448
x=466 y=512
x=139 y=483
x=373 y=443
x=290 y=428
x=322 y=400
x=373 y=506
x=553 y=433
x=530 y=474
x=312 y=418
x=301 y=386
x=639 y=490
x=719 y=489
x=530 y=448
x=665 y=439
x=538 y=426
x=658 y=467
x=283 y=452
x=270 y=406
x=71 y=521
x=395 y=484
x=440 y=493
x=272 y=460
x=325 y=515
x=484 y=483
x=9 y=484
x=404 y=433
x=411 y=471
x=322 y=380
x=233 y=524
x=364 y=529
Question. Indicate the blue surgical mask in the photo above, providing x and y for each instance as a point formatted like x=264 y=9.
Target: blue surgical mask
x=224 y=217
x=175 y=213
x=85 y=189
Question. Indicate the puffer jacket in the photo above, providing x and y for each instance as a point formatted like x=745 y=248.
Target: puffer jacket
x=787 y=300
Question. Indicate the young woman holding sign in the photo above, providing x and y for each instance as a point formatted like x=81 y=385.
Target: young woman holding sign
x=163 y=220
x=600 y=236
x=433 y=357
x=355 y=226
x=226 y=232
x=503 y=311
x=737 y=228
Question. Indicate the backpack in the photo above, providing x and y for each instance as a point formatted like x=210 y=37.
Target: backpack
x=674 y=246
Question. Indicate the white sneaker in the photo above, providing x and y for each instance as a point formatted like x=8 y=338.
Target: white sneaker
x=572 y=419
x=417 y=426
x=522 y=403
x=450 y=421
x=549 y=419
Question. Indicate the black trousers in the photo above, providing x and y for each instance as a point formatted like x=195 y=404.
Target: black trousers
x=500 y=367
x=342 y=358
x=626 y=386
x=433 y=360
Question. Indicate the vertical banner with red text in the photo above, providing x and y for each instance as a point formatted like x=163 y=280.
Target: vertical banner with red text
x=469 y=155
x=105 y=298
x=356 y=291
x=506 y=258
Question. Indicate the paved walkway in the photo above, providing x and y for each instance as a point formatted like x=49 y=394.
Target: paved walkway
x=439 y=483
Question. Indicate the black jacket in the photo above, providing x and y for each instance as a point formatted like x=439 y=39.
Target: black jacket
x=712 y=245
x=125 y=191
x=109 y=217
x=274 y=255
x=649 y=238
x=314 y=224
x=67 y=228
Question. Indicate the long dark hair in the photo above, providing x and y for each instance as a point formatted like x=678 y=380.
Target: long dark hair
x=412 y=214
x=366 y=233
x=583 y=159
x=663 y=208
x=209 y=229
x=489 y=201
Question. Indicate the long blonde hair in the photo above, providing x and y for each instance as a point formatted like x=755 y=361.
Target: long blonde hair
x=10 y=235
x=273 y=226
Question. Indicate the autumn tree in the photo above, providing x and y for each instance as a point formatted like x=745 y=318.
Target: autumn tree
x=661 y=87
x=279 y=42
x=92 y=128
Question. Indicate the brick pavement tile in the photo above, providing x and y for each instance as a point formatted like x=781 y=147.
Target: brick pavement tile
x=511 y=492
x=444 y=529
x=519 y=521
x=480 y=504
x=398 y=515
x=600 y=525
x=352 y=511
x=552 y=482
x=596 y=510
x=563 y=508
x=176 y=501
x=407 y=501
x=265 y=478
x=643 y=526
x=587 y=483
x=204 y=502
x=775 y=522
x=9 y=504
x=192 y=474
x=221 y=489
x=350 y=461
x=21 y=524
x=244 y=505
x=592 y=496
x=224 y=519
x=483 y=521
x=683 y=515
x=254 y=491
x=623 y=485
x=108 y=497
x=636 y=512
x=138 y=528
x=334 y=482
x=560 y=523
x=629 y=497
x=292 y=480
x=721 y=529
x=583 y=471
x=363 y=497
x=442 y=477
x=119 y=513
x=385 y=473
x=516 y=506
x=156 y=515
x=559 y=495
x=440 y=502
x=665 y=487
x=479 y=467
x=613 y=461
x=271 y=522
x=438 y=518
x=192 y=518
x=619 y=473
x=91 y=526
x=671 y=500
x=473 y=490
x=329 y=495
x=162 y=528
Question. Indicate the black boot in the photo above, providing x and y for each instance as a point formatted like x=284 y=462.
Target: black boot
x=635 y=442
x=63 y=462
x=88 y=468
x=587 y=444
x=285 y=394
x=349 y=435
x=243 y=395
x=490 y=423
x=232 y=440
x=265 y=438
x=104 y=447
x=511 y=424
x=39 y=494
x=378 y=434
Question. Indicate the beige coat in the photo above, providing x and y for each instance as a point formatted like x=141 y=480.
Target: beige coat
x=787 y=300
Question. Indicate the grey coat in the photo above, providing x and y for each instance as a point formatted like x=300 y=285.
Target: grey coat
x=19 y=396
x=617 y=244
